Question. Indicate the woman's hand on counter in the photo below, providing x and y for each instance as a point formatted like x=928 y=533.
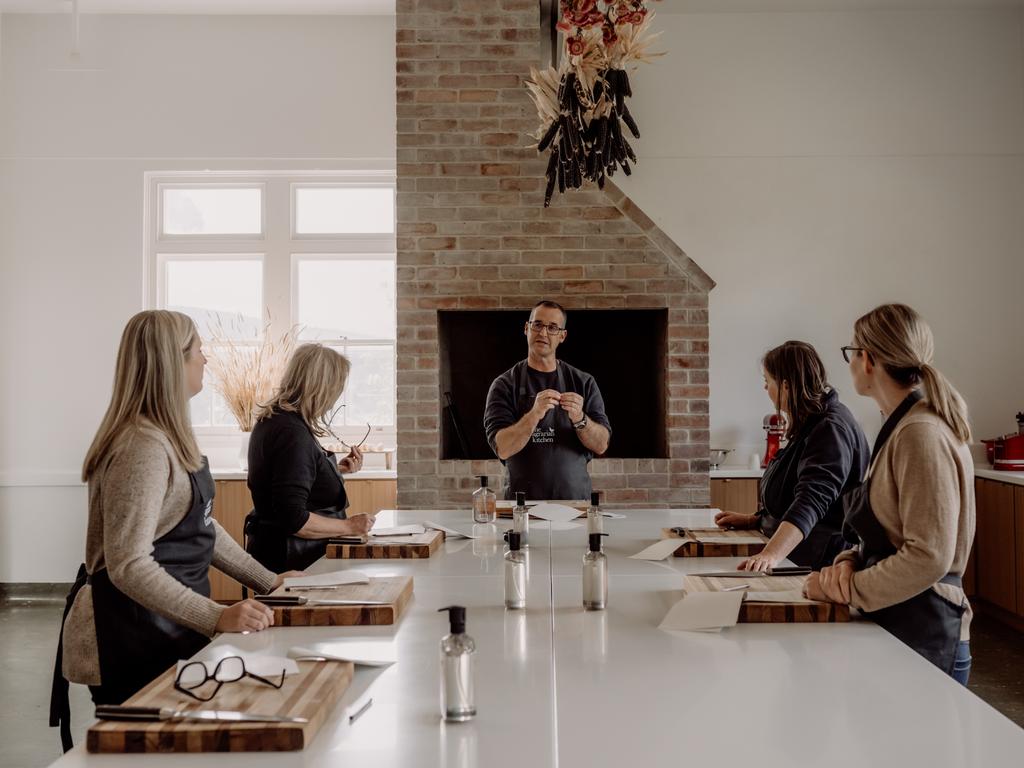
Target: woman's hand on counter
x=735 y=520
x=762 y=562
x=245 y=616
x=286 y=575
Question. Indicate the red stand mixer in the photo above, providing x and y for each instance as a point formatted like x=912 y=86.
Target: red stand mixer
x=1007 y=452
x=775 y=425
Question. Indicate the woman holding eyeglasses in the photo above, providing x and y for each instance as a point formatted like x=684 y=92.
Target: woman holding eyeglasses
x=298 y=493
x=914 y=514
x=826 y=455
x=142 y=598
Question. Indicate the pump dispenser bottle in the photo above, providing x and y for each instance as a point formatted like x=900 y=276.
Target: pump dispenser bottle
x=485 y=508
x=595 y=575
x=521 y=519
x=515 y=573
x=458 y=655
x=595 y=522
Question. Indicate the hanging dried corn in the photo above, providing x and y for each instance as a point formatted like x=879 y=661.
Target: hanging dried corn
x=582 y=104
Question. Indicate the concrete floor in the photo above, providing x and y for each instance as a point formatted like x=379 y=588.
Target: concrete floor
x=29 y=639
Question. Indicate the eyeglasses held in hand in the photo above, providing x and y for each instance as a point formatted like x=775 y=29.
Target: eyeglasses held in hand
x=330 y=420
x=230 y=669
x=537 y=326
x=847 y=350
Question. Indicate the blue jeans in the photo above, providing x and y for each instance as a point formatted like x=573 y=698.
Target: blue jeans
x=962 y=662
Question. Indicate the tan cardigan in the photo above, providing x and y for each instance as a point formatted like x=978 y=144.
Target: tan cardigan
x=141 y=493
x=922 y=492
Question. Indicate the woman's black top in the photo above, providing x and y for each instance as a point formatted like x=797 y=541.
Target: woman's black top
x=290 y=477
x=804 y=483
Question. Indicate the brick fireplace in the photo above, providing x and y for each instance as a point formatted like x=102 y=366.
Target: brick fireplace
x=473 y=235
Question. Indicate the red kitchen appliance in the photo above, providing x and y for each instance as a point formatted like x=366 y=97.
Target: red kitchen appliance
x=775 y=431
x=1007 y=452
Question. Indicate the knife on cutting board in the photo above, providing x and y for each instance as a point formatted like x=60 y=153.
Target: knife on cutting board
x=286 y=601
x=159 y=714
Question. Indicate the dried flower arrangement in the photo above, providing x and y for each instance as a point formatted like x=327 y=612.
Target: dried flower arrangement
x=582 y=104
x=247 y=374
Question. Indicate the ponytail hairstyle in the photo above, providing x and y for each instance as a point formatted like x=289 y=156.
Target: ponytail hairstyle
x=149 y=383
x=798 y=364
x=312 y=383
x=898 y=339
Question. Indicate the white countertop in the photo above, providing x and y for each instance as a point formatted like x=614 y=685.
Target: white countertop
x=986 y=471
x=557 y=686
x=726 y=473
x=227 y=473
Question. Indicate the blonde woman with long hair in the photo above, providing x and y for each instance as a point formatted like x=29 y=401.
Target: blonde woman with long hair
x=914 y=514
x=298 y=492
x=142 y=597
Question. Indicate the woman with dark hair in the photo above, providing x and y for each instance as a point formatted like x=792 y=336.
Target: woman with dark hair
x=826 y=454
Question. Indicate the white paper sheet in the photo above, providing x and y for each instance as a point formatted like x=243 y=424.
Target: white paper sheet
x=784 y=596
x=398 y=530
x=703 y=611
x=553 y=525
x=659 y=550
x=331 y=579
x=260 y=664
x=449 y=532
x=555 y=512
x=366 y=654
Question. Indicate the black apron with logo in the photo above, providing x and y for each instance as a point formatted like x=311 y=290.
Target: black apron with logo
x=280 y=551
x=136 y=644
x=927 y=622
x=553 y=463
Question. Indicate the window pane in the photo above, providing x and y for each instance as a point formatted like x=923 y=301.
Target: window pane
x=212 y=211
x=352 y=299
x=370 y=391
x=344 y=210
x=224 y=298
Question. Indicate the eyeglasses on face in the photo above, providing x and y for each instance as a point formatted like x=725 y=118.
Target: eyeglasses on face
x=230 y=669
x=537 y=326
x=847 y=350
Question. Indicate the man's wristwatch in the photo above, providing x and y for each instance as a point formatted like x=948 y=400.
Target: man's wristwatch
x=582 y=423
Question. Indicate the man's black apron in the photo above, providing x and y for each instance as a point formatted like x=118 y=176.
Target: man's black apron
x=279 y=550
x=136 y=644
x=553 y=463
x=928 y=622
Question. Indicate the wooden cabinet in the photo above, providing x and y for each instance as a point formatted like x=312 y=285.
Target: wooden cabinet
x=996 y=544
x=736 y=494
x=1018 y=504
x=233 y=502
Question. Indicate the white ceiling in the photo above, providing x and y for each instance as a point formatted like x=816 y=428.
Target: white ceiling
x=387 y=7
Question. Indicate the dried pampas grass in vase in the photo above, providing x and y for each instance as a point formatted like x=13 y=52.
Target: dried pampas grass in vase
x=247 y=374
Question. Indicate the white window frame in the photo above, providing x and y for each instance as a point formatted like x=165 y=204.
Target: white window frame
x=279 y=247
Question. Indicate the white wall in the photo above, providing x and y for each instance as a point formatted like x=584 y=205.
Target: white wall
x=148 y=93
x=819 y=164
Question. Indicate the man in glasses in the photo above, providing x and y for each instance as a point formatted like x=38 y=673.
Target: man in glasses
x=544 y=418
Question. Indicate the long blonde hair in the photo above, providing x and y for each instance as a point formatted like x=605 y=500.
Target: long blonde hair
x=312 y=383
x=149 y=383
x=900 y=341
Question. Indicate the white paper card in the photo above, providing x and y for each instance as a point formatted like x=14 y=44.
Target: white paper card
x=366 y=654
x=398 y=530
x=555 y=512
x=449 y=532
x=703 y=611
x=330 y=579
x=259 y=664
x=553 y=525
x=783 y=596
x=659 y=550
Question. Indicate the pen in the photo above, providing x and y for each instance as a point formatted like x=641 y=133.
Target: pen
x=359 y=712
x=307 y=589
x=736 y=588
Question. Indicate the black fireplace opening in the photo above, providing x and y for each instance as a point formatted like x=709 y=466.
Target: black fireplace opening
x=625 y=350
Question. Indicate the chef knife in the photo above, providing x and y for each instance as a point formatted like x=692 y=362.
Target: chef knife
x=285 y=601
x=158 y=714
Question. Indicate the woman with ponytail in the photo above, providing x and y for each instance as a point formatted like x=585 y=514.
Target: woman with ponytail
x=914 y=514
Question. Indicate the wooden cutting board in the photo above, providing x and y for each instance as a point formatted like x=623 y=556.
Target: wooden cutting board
x=755 y=612
x=699 y=549
x=310 y=694
x=414 y=547
x=396 y=590
x=506 y=506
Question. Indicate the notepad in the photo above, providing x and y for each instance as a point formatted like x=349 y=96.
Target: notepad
x=448 y=532
x=659 y=550
x=554 y=512
x=782 y=596
x=366 y=654
x=703 y=612
x=398 y=530
x=331 y=579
